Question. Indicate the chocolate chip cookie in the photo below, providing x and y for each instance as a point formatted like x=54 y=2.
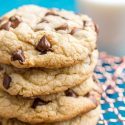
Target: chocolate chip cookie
x=89 y=118
x=47 y=109
x=31 y=36
x=33 y=82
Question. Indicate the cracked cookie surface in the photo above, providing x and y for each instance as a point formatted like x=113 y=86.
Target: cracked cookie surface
x=89 y=118
x=53 y=108
x=32 y=36
x=33 y=82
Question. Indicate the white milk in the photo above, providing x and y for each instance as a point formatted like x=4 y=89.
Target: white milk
x=110 y=16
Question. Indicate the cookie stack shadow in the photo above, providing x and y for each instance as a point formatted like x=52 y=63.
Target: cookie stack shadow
x=47 y=60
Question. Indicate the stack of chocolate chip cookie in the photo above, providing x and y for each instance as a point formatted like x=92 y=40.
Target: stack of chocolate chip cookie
x=47 y=58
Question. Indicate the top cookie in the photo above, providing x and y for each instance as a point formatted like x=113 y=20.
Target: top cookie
x=32 y=36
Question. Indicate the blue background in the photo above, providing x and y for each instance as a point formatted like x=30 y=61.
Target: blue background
x=6 y=5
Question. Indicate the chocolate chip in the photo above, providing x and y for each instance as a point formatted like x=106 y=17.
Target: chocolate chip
x=64 y=18
x=1 y=68
x=15 y=21
x=62 y=27
x=6 y=81
x=96 y=28
x=74 y=30
x=54 y=14
x=0 y=123
x=84 y=23
x=51 y=13
x=71 y=93
x=5 y=26
x=44 y=21
x=44 y=45
x=18 y=55
x=38 y=102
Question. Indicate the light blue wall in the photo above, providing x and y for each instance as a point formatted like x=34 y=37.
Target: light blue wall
x=6 y=5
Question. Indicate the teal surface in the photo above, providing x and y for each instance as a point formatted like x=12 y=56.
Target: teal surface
x=7 y=5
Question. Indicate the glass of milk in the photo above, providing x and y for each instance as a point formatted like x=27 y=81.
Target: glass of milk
x=110 y=16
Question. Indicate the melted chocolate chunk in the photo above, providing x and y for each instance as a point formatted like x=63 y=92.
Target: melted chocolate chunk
x=54 y=14
x=51 y=13
x=1 y=68
x=96 y=28
x=70 y=93
x=44 y=21
x=84 y=23
x=18 y=55
x=74 y=30
x=64 y=18
x=6 y=81
x=15 y=21
x=44 y=45
x=62 y=27
x=12 y=22
x=87 y=95
x=5 y=26
x=38 y=102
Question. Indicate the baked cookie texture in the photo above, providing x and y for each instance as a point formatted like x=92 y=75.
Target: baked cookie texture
x=89 y=118
x=34 y=82
x=47 y=60
x=37 y=110
x=32 y=36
